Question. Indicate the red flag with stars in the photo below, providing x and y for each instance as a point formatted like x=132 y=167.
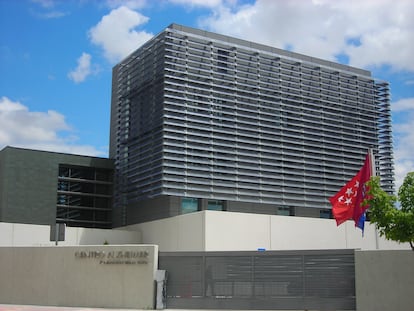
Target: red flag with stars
x=347 y=203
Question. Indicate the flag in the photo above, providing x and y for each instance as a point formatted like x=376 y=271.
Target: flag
x=361 y=223
x=347 y=203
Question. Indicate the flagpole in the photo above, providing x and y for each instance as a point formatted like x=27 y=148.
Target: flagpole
x=372 y=158
x=374 y=173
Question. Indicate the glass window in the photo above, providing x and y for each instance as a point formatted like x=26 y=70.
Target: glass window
x=189 y=205
x=325 y=214
x=284 y=211
x=215 y=205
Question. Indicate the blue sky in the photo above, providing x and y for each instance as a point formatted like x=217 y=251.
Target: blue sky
x=56 y=57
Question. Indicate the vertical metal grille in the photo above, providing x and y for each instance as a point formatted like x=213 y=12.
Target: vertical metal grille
x=254 y=280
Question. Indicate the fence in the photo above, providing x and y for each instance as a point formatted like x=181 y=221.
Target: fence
x=286 y=280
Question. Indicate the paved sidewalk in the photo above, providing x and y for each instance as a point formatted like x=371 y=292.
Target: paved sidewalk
x=5 y=307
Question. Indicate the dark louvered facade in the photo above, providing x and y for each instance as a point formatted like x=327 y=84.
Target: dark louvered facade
x=205 y=121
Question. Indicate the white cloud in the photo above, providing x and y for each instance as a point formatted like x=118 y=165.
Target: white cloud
x=83 y=70
x=132 y=4
x=198 y=3
x=116 y=33
x=45 y=3
x=48 y=11
x=403 y=104
x=402 y=168
x=51 y=14
x=403 y=150
x=369 y=33
x=403 y=139
x=21 y=127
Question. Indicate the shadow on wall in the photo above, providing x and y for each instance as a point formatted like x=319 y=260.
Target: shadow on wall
x=108 y=236
x=41 y=235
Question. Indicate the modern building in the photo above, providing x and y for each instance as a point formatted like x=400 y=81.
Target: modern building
x=39 y=189
x=45 y=188
x=202 y=121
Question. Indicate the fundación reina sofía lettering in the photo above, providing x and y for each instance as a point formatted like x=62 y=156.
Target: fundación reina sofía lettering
x=115 y=257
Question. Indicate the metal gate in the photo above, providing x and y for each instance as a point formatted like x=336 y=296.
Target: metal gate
x=289 y=280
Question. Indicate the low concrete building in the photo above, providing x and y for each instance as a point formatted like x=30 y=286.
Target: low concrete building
x=228 y=231
x=214 y=231
x=40 y=187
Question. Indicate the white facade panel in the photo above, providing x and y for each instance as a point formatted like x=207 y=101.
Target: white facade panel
x=39 y=235
x=183 y=233
x=241 y=231
x=226 y=231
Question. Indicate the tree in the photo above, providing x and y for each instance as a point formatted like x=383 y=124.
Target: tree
x=394 y=223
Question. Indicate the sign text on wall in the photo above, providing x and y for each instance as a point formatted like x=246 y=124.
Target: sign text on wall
x=115 y=257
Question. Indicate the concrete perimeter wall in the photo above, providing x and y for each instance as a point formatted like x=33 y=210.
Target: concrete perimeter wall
x=39 y=235
x=230 y=231
x=384 y=280
x=175 y=234
x=87 y=276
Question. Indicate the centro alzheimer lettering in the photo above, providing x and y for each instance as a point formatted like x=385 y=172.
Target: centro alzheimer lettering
x=115 y=257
